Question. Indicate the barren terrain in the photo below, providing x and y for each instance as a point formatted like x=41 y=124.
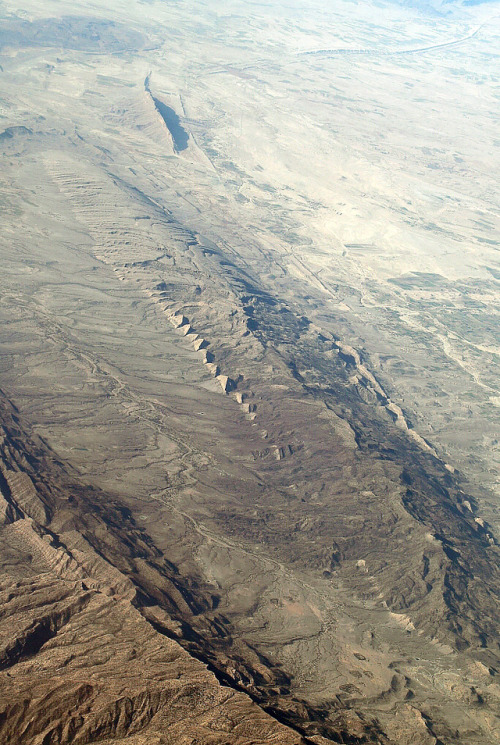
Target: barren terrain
x=249 y=374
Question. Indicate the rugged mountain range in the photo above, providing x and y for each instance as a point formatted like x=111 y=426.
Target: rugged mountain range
x=223 y=519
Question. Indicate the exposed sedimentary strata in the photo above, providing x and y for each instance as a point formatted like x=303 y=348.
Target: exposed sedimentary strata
x=214 y=368
x=178 y=320
x=78 y=661
x=200 y=344
x=226 y=383
x=293 y=535
x=181 y=323
x=352 y=357
x=319 y=457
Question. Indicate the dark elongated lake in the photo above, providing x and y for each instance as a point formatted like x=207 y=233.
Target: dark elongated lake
x=179 y=134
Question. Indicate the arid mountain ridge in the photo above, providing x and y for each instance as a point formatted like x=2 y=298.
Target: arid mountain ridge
x=221 y=524
x=434 y=582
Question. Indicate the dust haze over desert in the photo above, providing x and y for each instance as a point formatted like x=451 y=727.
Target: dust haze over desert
x=249 y=372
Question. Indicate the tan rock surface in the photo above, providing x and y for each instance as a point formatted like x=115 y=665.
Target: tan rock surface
x=78 y=661
x=322 y=537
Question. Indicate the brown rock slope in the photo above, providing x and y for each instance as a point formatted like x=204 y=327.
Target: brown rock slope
x=295 y=536
x=79 y=663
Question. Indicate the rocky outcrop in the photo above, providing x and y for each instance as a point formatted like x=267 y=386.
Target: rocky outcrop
x=181 y=323
x=226 y=383
x=79 y=663
x=303 y=571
